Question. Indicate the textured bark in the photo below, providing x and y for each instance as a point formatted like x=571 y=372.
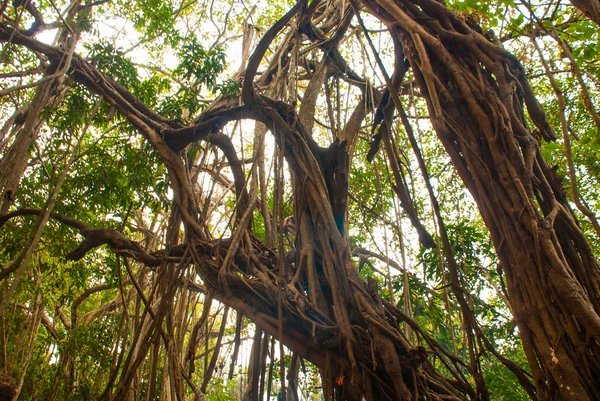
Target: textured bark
x=552 y=276
x=312 y=298
x=591 y=8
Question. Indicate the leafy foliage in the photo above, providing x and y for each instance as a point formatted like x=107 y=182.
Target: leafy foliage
x=72 y=329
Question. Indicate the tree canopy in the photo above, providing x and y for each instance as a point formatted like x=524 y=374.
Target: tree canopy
x=326 y=199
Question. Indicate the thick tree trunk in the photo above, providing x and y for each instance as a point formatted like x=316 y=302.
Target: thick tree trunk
x=591 y=8
x=475 y=91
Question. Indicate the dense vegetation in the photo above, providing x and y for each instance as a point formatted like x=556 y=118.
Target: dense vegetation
x=388 y=200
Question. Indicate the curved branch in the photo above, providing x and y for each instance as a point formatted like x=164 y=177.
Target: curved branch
x=38 y=18
x=261 y=49
x=207 y=124
x=94 y=237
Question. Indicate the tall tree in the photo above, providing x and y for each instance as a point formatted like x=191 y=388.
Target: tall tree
x=286 y=259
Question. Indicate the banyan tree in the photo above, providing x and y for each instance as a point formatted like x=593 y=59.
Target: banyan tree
x=213 y=202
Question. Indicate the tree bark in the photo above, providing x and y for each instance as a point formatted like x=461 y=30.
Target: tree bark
x=591 y=8
x=313 y=300
x=552 y=275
